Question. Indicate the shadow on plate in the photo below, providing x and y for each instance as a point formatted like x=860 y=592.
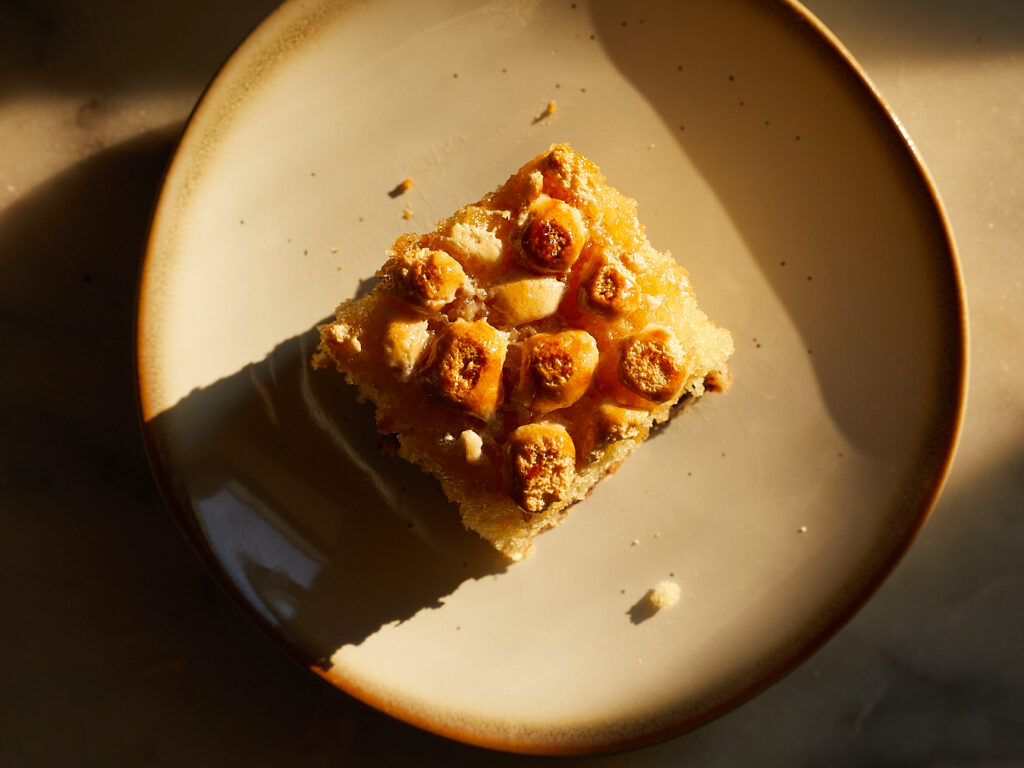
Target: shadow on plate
x=643 y=609
x=287 y=489
x=938 y=29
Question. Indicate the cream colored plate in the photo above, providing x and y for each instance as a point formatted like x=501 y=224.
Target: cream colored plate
x=760 y=157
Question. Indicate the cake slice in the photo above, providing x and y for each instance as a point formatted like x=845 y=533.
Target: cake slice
x=525 y=347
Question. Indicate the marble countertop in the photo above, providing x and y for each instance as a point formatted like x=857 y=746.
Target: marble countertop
x=118 y=647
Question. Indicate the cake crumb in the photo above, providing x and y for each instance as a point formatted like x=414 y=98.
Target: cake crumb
x=472 y=444
x=635 y=542
x=802 y=529
x=401 y=187
x=549 y=110
x=664 y=595
x=407 y=213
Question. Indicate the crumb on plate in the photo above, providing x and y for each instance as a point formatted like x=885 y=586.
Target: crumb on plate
x=549 y=110
x=664 y=595
x=401 y=187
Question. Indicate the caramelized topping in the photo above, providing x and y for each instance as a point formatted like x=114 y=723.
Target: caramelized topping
x=609 y=289
x=609 y=423
x=541 y=465
x=552 y=238
x=717 y=381
x=464 y=368
x=612 y=422
x=424 y=278
x=557 y=369
x=652 y=364
x=546 y=290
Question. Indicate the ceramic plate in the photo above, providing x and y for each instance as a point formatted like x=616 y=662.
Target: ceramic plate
x=760 y=157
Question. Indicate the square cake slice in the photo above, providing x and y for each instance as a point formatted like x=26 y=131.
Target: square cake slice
x=525 y=347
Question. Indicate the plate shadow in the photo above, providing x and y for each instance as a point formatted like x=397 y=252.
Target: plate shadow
x=289 y=493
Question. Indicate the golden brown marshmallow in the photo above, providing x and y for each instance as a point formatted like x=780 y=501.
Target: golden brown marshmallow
x=608 y=289
x=464 y=367
x=556 y=369
x=423 y=278
x=652 y=364
x=541 y=465
x=552 y=238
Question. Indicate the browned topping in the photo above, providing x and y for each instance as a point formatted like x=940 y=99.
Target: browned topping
x=541 y=465
x=612 y=422
x=557 y=369
x=425 y=279
x=555 y=161
x=718 y=381
x=609 y=289
x=550 y=367
x=652 y=364
x=505 y=349
x=464 y=368
x=545 y=243
x=551 y=241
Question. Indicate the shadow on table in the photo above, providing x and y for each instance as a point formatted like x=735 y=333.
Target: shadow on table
x=939 y=29
x=127 y=46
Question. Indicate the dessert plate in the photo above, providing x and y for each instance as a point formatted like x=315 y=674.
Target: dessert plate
x=760 y=156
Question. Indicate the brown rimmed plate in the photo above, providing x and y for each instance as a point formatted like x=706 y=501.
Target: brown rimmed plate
x=760 y=156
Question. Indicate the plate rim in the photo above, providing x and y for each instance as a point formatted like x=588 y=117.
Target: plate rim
x=840 y=60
